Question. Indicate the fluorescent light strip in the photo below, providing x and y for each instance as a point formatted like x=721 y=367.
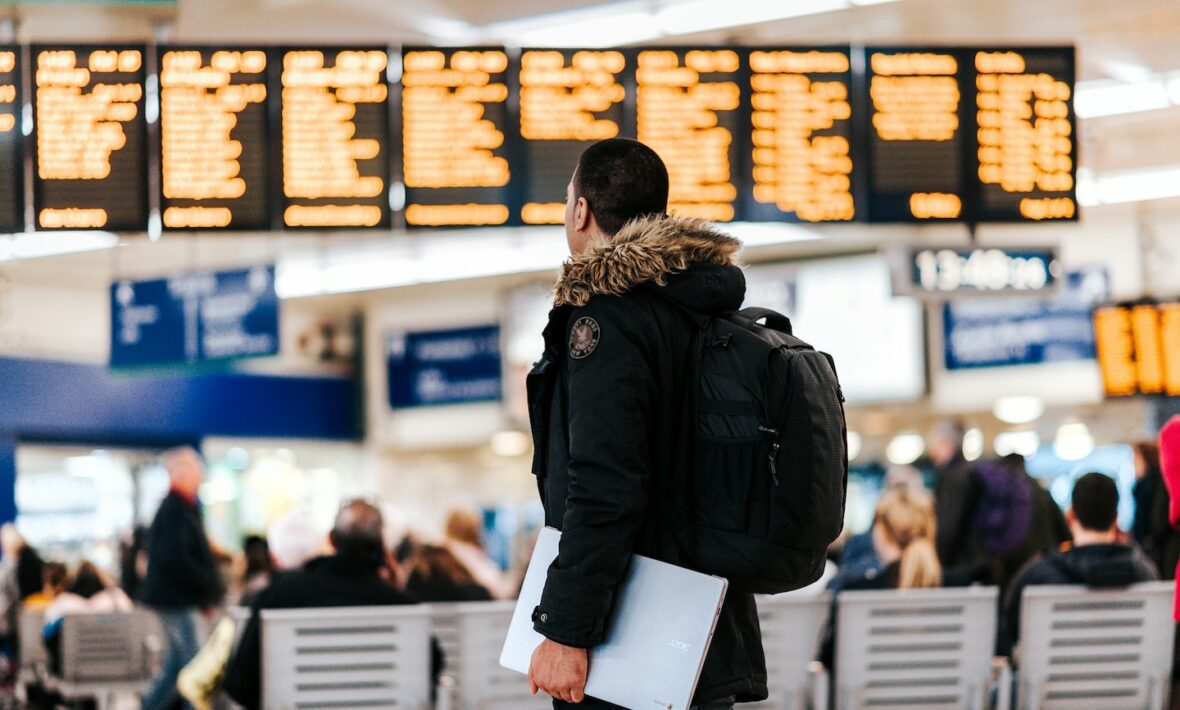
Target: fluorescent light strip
x=1098 y=99
x=706 y=15
x=35 y=245
x=631 y=22
x=1128 y=186
x=425 y=259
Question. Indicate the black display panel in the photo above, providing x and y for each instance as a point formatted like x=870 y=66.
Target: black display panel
x=90 y=137
x=456 y=158
x=333 y=124
x=687 y=108
x=214 y=138
x=1025 y=138
x=802 y=166
x=915 y=120
x=12 y=152
x=569 y=99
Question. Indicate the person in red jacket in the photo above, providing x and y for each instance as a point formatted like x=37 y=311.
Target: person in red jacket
x=1170 y=468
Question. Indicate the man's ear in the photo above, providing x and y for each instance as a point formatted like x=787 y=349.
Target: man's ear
x=582 y=215
x=1070 y=518
x=332 y=540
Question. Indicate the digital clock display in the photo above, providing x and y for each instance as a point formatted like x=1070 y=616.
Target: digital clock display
x=954 y=271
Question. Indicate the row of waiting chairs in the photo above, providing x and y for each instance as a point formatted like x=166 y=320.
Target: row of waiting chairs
x=910 y=649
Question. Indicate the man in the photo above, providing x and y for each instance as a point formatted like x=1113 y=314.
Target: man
x=955 y=492
x=611 y=415
x=182 y=579
x=351 y=576
x=1096 y=558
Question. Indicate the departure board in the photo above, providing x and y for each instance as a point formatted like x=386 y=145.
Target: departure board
x=800 y=136
x=455 y=123
x=214 y=167
x=90 y=156
x=687 y=109
x=1139 y=348
x=915 y=132
x=569 y=99
x=334 y=124
x=12 y=167
x=1025 y=137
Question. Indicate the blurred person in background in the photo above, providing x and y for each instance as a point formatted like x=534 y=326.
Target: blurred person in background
x=1151 y=528
x=258 y=564
x=436 y=575
x=1096 y=558
x=21 y=575
x=903 y=535
x=55 y=578
x=351 y=576
x=858 y=557
x=1017 y=520
x=464 y=540
x=904 y=541
x=89 y=591
x=182 y=578
x=955 y=494
x=133 y=560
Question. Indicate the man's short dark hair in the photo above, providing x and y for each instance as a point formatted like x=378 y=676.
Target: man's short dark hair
x=622 y=180
x=357 y=533
x=1096 y=502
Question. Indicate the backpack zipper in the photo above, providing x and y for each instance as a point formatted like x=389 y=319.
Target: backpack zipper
x=772 y=434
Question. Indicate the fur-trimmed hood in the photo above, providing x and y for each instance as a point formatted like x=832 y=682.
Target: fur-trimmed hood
x=648 y=250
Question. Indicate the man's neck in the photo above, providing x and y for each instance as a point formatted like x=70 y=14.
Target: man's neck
x=1083 y=537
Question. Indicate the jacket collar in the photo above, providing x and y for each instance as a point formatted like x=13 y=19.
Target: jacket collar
x=645 y=250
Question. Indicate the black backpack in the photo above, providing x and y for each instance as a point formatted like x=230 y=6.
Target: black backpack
x=771 y=454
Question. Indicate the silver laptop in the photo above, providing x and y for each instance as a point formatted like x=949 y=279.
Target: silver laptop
x=656 y=637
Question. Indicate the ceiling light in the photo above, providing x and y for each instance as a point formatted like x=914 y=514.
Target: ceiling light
x=973 y=444
x=1125 y=71
x=1018 y=409
x=33 y=245
x=1174 y=90
x=1024 y=443
x=854 y=445
x=905 y=448
x=1073 y=442
x=1094 y=99
x=706 y=15
x=511 y=444
x=598 y=26
x=1137 y=185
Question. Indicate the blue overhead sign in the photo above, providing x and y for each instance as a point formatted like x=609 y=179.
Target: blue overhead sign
x=996 y=332
x=444 y=367
x=195 y=317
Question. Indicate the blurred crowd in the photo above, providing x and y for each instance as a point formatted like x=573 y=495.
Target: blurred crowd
x=985 y=522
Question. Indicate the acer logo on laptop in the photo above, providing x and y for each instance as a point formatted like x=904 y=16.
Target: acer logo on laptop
x=679 y=645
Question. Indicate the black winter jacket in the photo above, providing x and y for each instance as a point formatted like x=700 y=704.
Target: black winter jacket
x=612 y=430
x=181 y=573
x=1111 y=565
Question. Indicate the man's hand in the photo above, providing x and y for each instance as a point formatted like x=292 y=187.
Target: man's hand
x=559 y=671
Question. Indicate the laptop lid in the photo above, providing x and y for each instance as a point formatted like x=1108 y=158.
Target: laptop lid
x=657 y=635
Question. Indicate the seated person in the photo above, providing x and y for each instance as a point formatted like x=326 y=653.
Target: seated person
x=858 y=557
x=439 y=576
x=1095 y=559
x=55 y=576
x=903 y=538
x=352 y=576
x=89 y=592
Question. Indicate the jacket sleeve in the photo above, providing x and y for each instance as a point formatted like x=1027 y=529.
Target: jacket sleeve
x=612 y=391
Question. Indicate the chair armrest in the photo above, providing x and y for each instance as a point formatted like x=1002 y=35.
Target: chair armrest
x=820 y=682
x=1002 y=681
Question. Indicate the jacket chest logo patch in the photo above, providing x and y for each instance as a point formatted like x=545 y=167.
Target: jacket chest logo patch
x=583 y=337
